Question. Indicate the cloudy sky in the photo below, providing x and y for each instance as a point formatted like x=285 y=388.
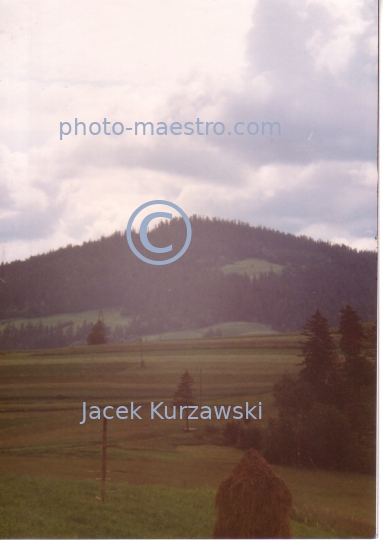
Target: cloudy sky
x=308 y=64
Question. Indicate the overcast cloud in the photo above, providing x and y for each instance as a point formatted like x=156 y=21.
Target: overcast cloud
x=310 y=65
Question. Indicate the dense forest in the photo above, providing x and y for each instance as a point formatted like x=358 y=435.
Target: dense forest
x=327 y=412
x=193 y=291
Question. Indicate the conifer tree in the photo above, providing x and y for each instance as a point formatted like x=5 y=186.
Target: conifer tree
x=356 y=367
x=97 y=336
x=320 y=361
x=326 y=417
x=358 y=372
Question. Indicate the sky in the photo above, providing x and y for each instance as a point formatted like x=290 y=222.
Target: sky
x=308 y=65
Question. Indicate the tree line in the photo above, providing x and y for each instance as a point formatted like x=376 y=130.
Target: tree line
x=193 y=292
x=327 y=414
x=50 y=336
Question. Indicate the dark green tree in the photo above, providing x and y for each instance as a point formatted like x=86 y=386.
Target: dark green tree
x=293 y=399
x=326 y=416
x=280 y=441
x=328 y=440
x=97 y=336
x=320 y=365
x=184 y=394
x=351 y=331
x=231 y=433
x=359 y=385
x=357 y=369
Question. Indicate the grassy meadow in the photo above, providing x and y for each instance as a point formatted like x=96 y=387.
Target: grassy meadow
x=161 y=481
x=252 y=267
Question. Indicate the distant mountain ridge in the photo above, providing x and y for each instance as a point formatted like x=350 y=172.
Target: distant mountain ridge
x=192 y=292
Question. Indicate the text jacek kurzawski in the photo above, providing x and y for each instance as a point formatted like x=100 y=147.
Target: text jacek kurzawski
x=172 y=412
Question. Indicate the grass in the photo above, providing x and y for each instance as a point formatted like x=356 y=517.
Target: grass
x=264 y=343
x=154 y=468
x=326 y=505
x=38 y=507
x=344 y=502
x=228 y=329
x=50 y=508
x=252 y=267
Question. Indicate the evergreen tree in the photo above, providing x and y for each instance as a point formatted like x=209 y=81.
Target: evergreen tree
x=293 y=399
x=184 y=394
x=326 y=417
x=328 y=440
x=97 y=336
x=358 y=390
x=357 y=369
x=320 y=361
x=351 y=331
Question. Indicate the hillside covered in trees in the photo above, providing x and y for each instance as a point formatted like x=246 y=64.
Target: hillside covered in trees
x=193 y=291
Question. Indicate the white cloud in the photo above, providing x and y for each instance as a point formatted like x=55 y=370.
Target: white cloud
x=309 y=65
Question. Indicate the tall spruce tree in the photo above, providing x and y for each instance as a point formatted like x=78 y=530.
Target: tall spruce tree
x=97 y=336
x=357 y=369
x=184 y=394
x=320 y=361
x=326 y=417
x=293 y=400
x=358 y=374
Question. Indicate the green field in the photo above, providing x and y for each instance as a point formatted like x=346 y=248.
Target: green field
x=252 y=267
x=227 y=329
x=161 y=480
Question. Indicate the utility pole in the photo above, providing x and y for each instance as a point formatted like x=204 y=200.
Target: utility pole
x=200 y=387
x=103 y=466
x=142 y=364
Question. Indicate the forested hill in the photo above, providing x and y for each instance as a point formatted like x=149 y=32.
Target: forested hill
x=193 y=291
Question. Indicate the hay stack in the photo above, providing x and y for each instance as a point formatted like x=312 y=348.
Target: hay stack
x=253 y=502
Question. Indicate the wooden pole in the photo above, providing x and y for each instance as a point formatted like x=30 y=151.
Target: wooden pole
x=142 y=364
x=103 y=467
x=200 y=387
